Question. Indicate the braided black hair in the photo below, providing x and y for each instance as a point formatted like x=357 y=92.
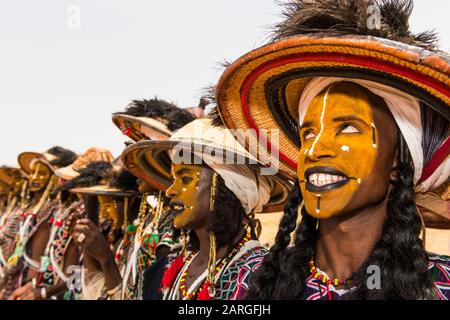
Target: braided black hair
x=399 y=253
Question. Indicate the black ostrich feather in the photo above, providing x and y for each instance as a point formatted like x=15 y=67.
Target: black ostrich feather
x=168 y=113
x=90 y=176
x=125 y=181
x=350 y=17
x=64 y=157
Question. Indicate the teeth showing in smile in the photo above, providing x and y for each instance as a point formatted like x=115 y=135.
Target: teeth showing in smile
x=177 y=207
x=323 y=179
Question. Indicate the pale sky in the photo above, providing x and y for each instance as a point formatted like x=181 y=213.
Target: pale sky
x=59 y=86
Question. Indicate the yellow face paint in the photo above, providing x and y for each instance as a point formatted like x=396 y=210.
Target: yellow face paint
x=185 y=193
x=339 y=149
x=40 y=176
x=108 y=209
x=17 y=185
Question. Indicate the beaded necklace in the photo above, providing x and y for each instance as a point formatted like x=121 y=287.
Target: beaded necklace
x=321 y=276
x=218 y=269
x=53 y=257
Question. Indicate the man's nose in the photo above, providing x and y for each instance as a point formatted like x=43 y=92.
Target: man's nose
x=322 y=148
x=172 y=192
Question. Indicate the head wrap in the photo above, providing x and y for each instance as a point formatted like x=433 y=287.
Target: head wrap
x=252 y=189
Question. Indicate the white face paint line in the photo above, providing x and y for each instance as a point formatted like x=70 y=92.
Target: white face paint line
x=345 y=148
x=306 y=151
x=374 y=142
x=322 y=126
x=318 y=204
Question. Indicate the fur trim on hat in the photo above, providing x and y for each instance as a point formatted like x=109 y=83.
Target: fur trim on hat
x=158 y=109
x=90 y=176
x=124 y=180
x=64 y=157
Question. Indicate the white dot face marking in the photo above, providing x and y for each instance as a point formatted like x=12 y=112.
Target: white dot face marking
x=359 y=180
x=322 y=126
x=345 y=148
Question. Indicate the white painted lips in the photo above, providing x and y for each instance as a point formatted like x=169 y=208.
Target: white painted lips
x=323 y=179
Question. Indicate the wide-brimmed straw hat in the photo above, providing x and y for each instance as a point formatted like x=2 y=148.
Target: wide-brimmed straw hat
x=151 y=160
x=139 y=128
x=154 y=119
x=54 y=158
x=10 y=174
x=91 y=155
x=261 y=90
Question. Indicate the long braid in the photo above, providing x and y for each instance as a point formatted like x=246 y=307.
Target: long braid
x=263 y=285
x=297 y=259
x=399 y=253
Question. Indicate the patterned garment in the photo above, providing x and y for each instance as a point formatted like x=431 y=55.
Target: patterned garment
x=439 y=268
x=144 y=257
x=233 y=282
x=53 y=260
x=440 y=272
x=8 y=233
x=17 y=268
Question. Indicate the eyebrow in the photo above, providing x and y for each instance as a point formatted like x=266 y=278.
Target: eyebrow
x=306 y=124
x=182 y=171
x=347 y=118
x=335 y=119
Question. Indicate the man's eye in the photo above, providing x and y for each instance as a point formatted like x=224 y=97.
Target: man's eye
x=348 y=129
x=309 y=135
x=186 y=180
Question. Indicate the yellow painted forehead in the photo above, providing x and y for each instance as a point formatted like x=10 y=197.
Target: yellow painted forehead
x=339 y=100
x=105 y=199
x=39 y=165
x=185 y=168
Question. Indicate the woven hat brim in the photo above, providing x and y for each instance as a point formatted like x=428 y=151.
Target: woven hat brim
x=261 y=90
x=104 y=191
x=67 y=173
x=9 y=174
x=154 y=129
x=150 y=161
x=25 y=160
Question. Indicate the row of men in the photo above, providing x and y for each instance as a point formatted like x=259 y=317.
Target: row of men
x=363 y=156
x=90 y=226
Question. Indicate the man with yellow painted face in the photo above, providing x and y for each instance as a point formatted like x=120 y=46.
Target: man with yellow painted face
x=213 y=204
x=28 y=264
x=112 y=203
x=17 y=201
x=363 y=119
